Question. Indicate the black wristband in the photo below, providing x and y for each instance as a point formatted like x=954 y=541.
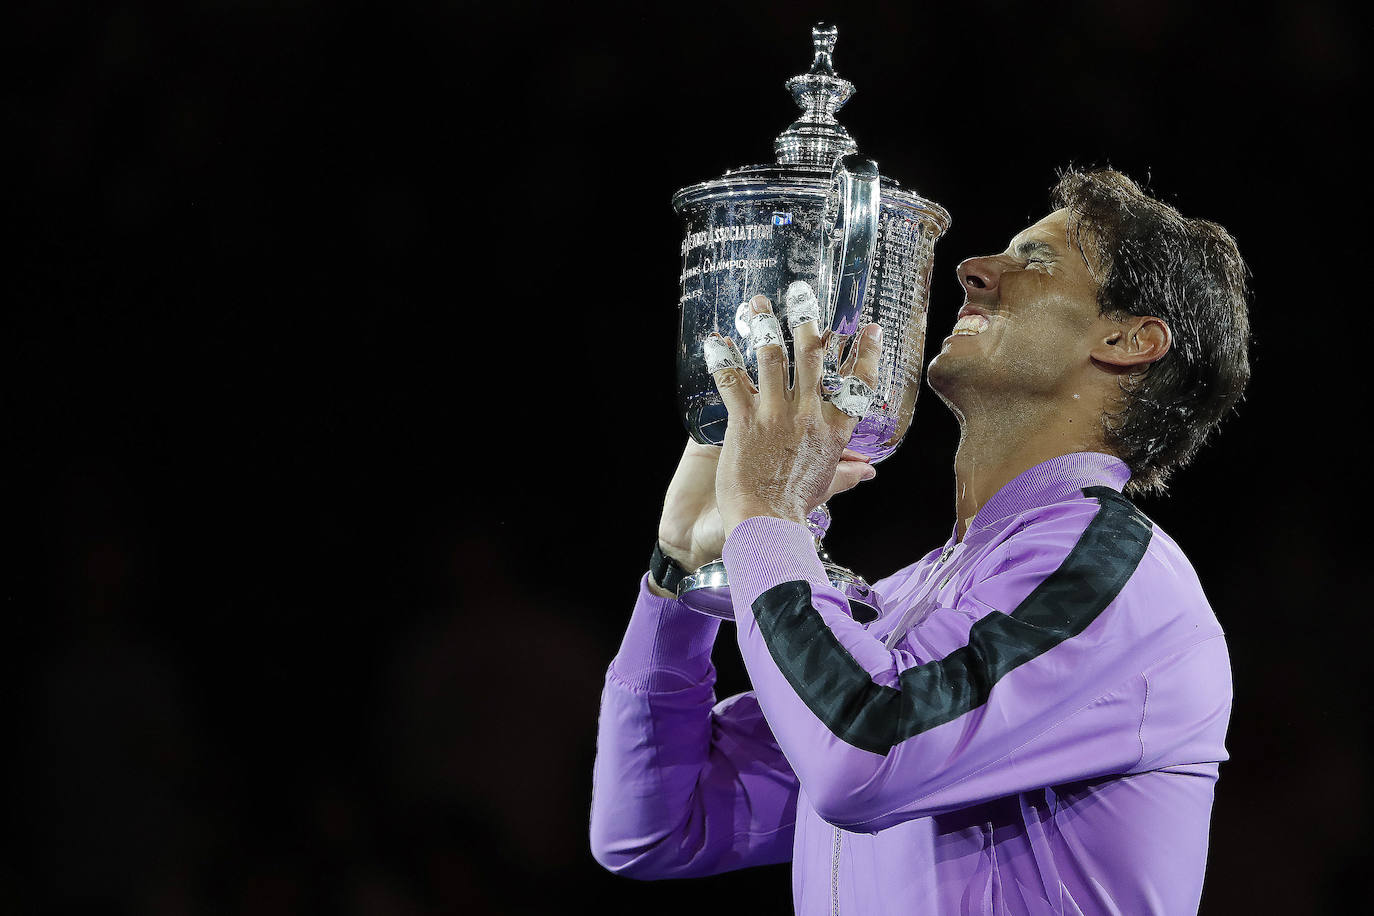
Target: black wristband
x=664 y=570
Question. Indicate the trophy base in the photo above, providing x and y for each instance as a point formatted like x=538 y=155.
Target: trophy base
x=707 y=591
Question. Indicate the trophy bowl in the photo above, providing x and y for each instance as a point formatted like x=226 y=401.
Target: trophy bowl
x=818 y=227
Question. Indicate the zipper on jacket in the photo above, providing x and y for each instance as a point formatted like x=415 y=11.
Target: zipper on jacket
x=835 y=876
x=918 y=603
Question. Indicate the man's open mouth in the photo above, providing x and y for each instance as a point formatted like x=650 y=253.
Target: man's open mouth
x=969 y=325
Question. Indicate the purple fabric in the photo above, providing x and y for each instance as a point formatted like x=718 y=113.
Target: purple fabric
x=1082 y=785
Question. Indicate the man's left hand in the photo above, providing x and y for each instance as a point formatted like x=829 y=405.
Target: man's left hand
x=783 y=445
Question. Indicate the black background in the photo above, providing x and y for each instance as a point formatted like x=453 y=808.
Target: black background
x=340 y=408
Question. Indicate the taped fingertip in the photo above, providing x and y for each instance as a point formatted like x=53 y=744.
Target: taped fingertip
x=874 y=332
x=764 y=330
x=734 y=350
x=720 y=353
x=801 y=305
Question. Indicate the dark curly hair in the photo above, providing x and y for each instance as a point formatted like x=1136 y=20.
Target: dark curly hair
x=1148 y=259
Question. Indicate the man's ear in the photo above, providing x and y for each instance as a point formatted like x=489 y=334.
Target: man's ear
x=1138 y=341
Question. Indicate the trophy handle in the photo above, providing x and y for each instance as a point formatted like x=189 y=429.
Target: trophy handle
x=848 y=243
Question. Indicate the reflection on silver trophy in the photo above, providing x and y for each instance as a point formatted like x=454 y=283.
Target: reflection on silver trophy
x=822 y=234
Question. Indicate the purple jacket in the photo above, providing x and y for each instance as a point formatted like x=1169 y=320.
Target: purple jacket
x=1032 y=726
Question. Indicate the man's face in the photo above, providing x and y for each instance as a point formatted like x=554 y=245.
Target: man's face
x=1030 y=318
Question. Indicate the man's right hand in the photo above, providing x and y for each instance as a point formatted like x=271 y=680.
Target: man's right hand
x=691 y=531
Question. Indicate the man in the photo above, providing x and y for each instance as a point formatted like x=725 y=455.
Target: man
x=1035 y=722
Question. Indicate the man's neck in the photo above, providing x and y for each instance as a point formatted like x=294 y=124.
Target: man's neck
x=994 y=451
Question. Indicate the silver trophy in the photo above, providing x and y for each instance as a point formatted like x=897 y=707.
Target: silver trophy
x=820 y=233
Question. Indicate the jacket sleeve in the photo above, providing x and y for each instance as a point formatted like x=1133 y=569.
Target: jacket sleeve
x=683 y=786
x=1031 y=678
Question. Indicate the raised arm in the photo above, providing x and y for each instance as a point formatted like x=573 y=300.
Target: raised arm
x=683 y=786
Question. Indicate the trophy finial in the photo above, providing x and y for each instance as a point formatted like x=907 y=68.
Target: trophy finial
x=823 y=39
x=816 y=138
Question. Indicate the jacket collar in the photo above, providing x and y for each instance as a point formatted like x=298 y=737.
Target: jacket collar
x=1049 y=482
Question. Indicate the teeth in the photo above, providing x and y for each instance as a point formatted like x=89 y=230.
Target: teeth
x=970 y=325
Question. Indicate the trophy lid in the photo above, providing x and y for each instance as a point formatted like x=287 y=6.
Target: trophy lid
x=807 y=150
x=816 y=138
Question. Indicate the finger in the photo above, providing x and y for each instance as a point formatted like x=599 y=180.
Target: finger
x=770 y=352
x=851 y=355
x=721 y=353
x=726 y=366
x=855 y=394
x=803 y=317
x=849 y=474
x=870 y=349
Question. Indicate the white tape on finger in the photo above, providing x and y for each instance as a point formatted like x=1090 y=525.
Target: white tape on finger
x=854 y=397
x=802 y=305
x=721 y=353
x=764 y=331
x=734 y=348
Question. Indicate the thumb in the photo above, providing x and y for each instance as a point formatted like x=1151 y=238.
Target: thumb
x=849 y=474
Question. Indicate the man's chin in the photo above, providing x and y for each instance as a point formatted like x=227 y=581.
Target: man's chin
x=944 y=372
x=948 y=376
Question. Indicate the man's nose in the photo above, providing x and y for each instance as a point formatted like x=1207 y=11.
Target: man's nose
x=978 y=276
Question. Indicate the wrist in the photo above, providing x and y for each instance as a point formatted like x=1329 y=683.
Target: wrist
x=659 y=591
x=665 y=571
x=681 y=556
x=755 y=509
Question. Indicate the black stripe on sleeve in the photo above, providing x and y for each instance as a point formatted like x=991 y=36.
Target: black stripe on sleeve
x=875 y=718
